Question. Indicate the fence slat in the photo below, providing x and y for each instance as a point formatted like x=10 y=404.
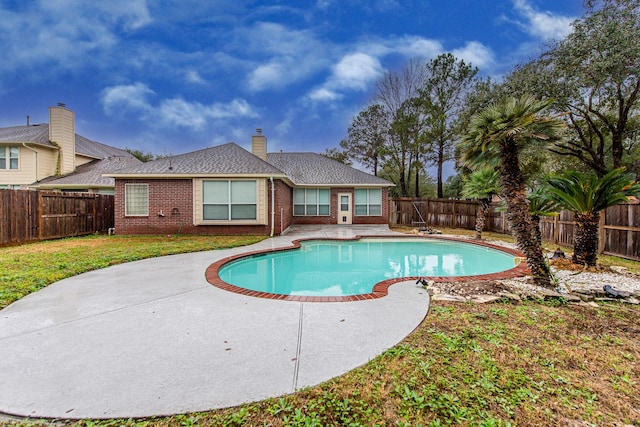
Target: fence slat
x=27 y=215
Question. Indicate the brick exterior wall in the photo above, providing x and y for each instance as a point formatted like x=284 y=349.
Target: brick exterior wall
x=174 y=198
x=333 y=211
x=171 y=210
x=283 y=206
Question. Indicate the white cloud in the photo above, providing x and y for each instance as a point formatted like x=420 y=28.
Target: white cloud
x=323 y=94
x=172 y=112
x=129 y=97
x=354 y=72
x=193 y=76
x=419 y=47
x=475 y=53
x=543 y=25
x=282 y=56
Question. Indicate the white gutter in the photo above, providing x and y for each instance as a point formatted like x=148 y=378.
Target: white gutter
x=273 y=204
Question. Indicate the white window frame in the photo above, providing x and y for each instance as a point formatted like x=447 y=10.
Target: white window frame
x=230 y=202
x=11 y=156
x=368 y=203
x=308 y=203
x=136 y=207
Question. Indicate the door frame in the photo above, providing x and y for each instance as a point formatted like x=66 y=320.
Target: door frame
x=345 y=217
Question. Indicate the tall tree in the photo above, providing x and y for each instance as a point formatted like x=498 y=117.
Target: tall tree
x=593 y=77
x=587 y=195
x=367 y=136
x=396 y=92
x=442 y=98
x=501 y=130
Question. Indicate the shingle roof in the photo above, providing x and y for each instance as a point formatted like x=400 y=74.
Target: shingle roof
x=316 y=169
x=38 y=134
x=89 y=148
x=90 y=174
x=226 y=159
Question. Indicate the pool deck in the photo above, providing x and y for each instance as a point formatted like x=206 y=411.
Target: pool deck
x=153 y=337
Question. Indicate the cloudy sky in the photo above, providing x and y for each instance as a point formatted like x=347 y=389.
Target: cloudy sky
x=169 y=77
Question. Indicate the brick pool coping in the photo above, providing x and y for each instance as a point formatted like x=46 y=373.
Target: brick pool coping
x=381 y=288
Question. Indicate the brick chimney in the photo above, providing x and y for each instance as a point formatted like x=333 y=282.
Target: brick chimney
x=62 y=132
x=259 y=145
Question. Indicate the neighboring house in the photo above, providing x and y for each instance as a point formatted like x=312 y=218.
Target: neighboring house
x=52 y=156
x=229 y=190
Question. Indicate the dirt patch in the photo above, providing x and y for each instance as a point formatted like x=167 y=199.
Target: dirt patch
x=465 y=289
x=566 y=264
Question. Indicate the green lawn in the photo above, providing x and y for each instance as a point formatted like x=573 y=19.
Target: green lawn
x=527 y=364
x=28 y=268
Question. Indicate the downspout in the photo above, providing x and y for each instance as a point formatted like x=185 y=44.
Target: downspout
x=273 y=206
x=24 y=144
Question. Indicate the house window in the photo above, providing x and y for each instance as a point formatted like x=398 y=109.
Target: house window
x=311 y=201
x=229 y=200
x=136 y=199
x=368 y=201
x=9 y=157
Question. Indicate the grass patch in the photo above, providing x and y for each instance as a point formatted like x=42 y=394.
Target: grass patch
x=28 y=268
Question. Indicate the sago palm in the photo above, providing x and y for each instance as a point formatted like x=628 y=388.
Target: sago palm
x=500 y=131
x=482 y=185
x=586 y=196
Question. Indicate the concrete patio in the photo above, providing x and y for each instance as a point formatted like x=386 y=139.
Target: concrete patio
x=153 y=338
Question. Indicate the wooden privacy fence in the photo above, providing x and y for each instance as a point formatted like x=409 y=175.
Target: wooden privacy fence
x=619 y=225
x=27 y=215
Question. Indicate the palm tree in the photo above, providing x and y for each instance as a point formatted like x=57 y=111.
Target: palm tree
x=501 y=131
x=482 y=185
x=586 y=196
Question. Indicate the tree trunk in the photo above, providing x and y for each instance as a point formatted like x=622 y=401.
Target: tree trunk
x=535 y=223
x=440 y=163
x=481 y=218
x=585 y=238
x=518 y=216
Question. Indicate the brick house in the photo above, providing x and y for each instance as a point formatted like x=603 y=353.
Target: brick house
x=229 y=190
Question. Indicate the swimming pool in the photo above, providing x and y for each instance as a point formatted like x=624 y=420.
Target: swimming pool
x=338 y=268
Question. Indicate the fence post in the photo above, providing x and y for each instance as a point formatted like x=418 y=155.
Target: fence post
x=40 y=219
x=556 y=229
x=503 y=214
x=426 y=214
x=95 y=213
x=454 y=223
x=602 y=231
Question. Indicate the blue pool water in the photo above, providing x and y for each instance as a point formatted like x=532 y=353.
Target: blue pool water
x=341 y=268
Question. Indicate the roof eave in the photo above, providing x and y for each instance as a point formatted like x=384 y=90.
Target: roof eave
x=67 y=186
x=352 y=185
x=40 y=144
x=189 y=175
